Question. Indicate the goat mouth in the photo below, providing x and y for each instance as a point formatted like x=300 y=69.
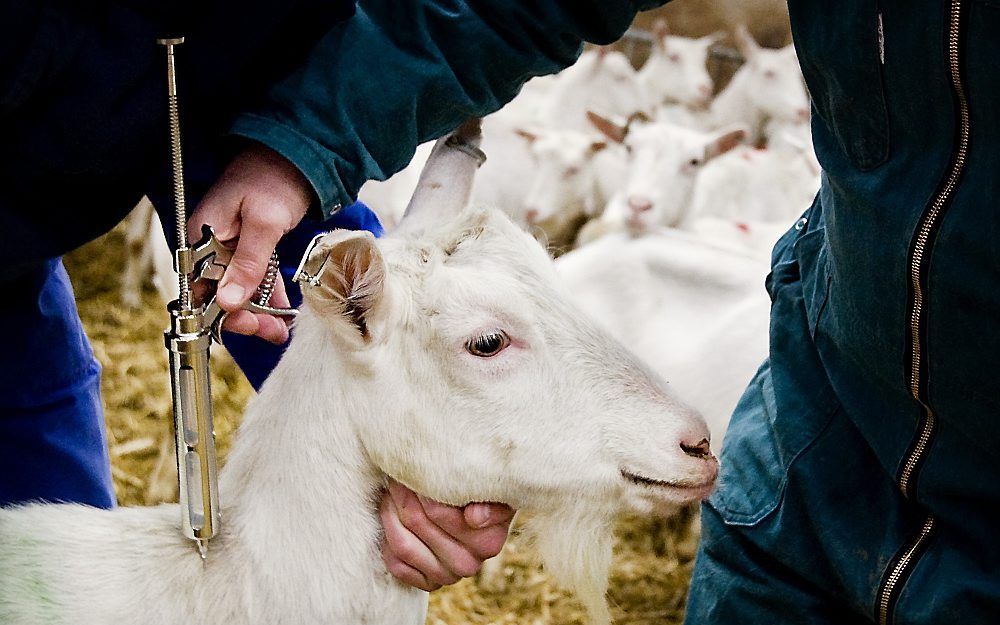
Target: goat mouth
x=695 y=487
x=636 y=226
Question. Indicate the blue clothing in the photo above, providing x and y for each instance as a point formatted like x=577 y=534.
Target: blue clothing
x=52 y=443
x=859 y=475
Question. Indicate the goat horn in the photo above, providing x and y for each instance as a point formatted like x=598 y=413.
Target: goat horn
x=445 y=184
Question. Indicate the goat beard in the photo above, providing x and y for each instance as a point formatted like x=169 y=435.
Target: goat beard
x=575 y=548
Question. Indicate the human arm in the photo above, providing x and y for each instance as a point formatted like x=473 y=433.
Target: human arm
x=403 y=72
x=392 y=76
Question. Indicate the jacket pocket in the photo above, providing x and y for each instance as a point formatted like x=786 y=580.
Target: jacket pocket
x=751 y=478
x=790 y=401
x=841 y=50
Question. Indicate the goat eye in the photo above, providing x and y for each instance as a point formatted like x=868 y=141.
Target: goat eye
x=770 y=74
x=489 y=344
x=674 y=58
x=694 y=162
x=572 y=171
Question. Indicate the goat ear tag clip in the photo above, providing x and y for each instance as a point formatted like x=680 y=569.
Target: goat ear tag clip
x=301 y=275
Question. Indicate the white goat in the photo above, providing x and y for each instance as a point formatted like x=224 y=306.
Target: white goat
x=768 y=86
x=664 y=161
x=563 y=185
x=147 y=253
x=446 y=356
x=676 y=71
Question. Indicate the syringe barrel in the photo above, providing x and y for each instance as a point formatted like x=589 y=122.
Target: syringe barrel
x=188 y=345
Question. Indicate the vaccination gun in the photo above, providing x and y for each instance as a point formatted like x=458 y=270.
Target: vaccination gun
x=195 y=322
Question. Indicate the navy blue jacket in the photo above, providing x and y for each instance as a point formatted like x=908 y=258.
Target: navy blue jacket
x=865 y=458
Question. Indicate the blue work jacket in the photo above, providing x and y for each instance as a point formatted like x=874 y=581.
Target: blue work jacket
x=865 y=458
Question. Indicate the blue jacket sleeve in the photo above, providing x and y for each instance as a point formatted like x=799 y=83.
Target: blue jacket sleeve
x=401 y=72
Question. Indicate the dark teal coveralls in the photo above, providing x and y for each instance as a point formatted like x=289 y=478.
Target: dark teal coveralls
x=860 y=477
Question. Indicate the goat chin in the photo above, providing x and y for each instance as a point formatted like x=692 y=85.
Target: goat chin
x=574 y=544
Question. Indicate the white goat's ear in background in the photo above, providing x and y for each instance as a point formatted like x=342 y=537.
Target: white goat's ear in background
x=661 y=30
x=528 y=135
x=713 y=38
x=612 y=129
x=344 y=278
x=745 y=42
x=725 y=140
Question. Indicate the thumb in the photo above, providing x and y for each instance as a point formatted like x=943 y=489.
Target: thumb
x=480 y=515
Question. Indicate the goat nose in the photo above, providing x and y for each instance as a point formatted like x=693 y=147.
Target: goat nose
x=701 y=449
x=531 y=215
x=639 y=204
x=705 y=91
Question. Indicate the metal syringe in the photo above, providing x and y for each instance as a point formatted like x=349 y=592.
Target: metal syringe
x=188 y=341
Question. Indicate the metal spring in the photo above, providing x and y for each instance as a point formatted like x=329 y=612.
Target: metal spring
x=180 y=208
x=266 y=287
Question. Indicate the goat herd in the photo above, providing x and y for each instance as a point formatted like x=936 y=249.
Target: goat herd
x=453 y=356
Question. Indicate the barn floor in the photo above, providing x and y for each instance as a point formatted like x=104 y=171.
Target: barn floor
x=653 y=559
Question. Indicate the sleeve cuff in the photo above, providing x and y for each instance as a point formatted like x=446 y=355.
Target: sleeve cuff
x=315 y=163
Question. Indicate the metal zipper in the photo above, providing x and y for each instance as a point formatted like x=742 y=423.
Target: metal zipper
x=923 y=239
x=902 y=565
x=900 y=571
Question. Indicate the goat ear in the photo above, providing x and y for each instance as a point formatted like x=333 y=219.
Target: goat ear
x=344 y=276
x=597 y=145
x=527 y=135
x=745 y=42
x=639 y=116
x=613 y=130
x=725 y=140
x=714 y=38
x=660 y=31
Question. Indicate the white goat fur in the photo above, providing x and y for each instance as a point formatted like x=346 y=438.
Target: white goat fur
x=697 y=308
x=377 y=382
x=600 y=80
x=750 y=185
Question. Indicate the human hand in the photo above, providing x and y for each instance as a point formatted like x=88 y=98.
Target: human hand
x=259 y=197
x=429 y=544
